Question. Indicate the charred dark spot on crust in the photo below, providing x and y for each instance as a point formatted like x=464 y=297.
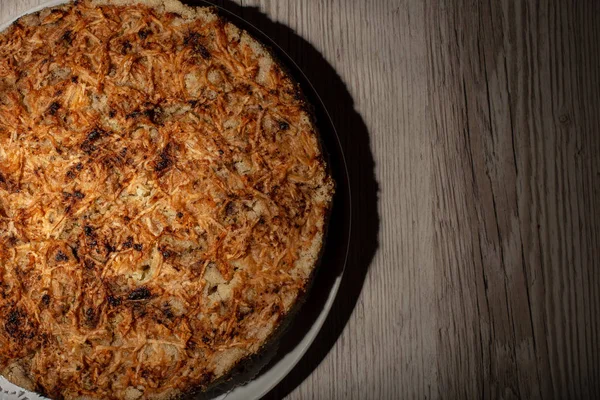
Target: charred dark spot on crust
x=89 y=264
x=128 y=243
x=284 y=126
x=190 y=345
x=133 y=115
x=74 y=79
x=71 y=174
x=94 y=134
x=144 y=33
x=193 y=40
x=166 y=253
x=154 y=114
x=138 y=247
x=12 y=322
x=76 y=194
x=91 y=235
x=167 y=311
x=67 y=37
x=45 y=339
x=179 y=214
x=207 y=377
x=164 y=161
x=112 y=69
x=91 y=317
x=141 y=293
x=18 y=326
x=88 y=230
x=46 y=299
x=109 y=247
x=112 y=113
x=79 y=166
x=230 y=209
x=276 y=308
x=298 y=94
x=191 y=37
x=145 y=267
x=146 y=373
x=203 y=51
x=151 y=111
x=53 y=108
x=88 y=144
x=60 y=256
x=114 y=300
x=244 y=88
x=75 y=252
x=126 y=47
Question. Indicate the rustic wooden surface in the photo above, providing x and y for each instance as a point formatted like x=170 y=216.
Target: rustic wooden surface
x=473 y=135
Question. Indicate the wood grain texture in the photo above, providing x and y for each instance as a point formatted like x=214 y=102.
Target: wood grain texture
x=483 y=123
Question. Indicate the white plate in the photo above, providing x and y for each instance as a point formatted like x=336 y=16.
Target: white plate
x=275 y=372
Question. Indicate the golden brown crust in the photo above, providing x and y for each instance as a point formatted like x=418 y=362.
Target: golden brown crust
x=162 y=198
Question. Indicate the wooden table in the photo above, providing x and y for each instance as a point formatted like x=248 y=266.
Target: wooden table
x=472 y=133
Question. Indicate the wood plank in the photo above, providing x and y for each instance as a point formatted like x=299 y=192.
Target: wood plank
x=512 y=111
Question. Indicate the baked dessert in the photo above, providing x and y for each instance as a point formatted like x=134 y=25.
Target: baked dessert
x=163 y=199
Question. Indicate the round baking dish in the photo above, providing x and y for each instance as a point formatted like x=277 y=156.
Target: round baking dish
x=280 y=356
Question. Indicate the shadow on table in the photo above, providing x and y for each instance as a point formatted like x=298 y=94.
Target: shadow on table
x=354 y=138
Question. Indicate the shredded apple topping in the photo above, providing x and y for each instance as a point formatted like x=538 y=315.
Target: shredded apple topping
x=162 y=199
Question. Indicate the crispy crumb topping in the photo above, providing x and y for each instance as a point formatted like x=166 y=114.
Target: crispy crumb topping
x=162 y=199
